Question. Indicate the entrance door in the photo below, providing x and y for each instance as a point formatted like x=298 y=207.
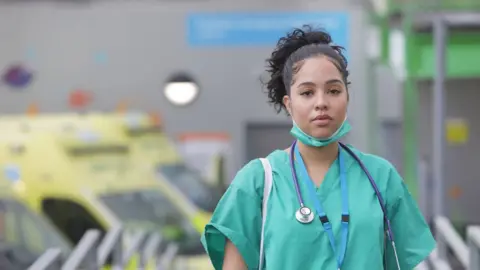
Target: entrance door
x=263 y=138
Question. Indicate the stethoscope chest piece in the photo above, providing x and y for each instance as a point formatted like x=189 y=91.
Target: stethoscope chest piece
x=304 y=215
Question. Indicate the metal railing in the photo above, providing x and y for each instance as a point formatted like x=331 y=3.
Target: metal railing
x=447 y=237
x=93 y=253
x=467 y=253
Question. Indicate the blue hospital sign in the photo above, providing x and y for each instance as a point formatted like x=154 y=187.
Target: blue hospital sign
x=260 y=29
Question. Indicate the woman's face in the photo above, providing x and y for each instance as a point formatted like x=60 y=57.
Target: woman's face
x=318 y=97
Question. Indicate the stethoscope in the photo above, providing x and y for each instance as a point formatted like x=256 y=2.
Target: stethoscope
x=305 y=215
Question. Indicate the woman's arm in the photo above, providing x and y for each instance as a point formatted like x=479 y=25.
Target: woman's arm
x=232 y=237
x=232 y=259
x=413 y=238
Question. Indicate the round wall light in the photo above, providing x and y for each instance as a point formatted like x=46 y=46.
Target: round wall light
x=181 y=89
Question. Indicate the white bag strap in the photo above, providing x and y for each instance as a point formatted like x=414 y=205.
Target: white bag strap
x=267 y=187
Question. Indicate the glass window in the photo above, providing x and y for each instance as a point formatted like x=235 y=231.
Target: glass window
x=190 y=183
x=150 y=210
x=24 y=236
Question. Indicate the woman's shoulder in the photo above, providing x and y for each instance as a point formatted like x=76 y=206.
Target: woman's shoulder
x=385 y=175
x=250 y=178
x=372 y=160
x=378 y=167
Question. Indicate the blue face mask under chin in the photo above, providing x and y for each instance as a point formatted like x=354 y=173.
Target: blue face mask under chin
x=316 y=142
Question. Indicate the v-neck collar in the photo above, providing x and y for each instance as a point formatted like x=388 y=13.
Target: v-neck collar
x=331 y=179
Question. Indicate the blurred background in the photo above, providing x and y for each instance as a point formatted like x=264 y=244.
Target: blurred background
x=123 y=122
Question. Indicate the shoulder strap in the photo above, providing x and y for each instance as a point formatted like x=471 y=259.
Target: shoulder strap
x=267 y=187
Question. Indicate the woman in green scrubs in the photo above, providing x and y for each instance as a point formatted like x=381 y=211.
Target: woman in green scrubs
x=309 y=79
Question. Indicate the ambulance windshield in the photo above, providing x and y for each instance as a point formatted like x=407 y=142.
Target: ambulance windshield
x=150 y=210
x=190 y=183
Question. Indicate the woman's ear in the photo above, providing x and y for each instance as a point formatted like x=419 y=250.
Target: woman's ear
x=288 y=104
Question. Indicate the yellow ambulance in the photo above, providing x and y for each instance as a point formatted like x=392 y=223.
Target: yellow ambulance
x=82 y=180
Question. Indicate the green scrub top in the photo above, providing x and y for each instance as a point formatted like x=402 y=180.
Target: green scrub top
x=291 y=245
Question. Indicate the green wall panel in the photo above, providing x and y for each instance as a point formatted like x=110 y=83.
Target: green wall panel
x=463 y=55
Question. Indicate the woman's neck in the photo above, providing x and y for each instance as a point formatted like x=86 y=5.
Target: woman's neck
x=318 y=157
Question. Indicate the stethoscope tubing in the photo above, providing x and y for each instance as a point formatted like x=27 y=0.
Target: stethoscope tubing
x=381 y=201
x=375 y=187
x=294 y=176
x=365 y=170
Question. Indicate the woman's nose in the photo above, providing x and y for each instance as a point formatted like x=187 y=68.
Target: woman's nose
x=321 y=102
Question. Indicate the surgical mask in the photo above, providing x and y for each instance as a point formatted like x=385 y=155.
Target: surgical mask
x=316 y=142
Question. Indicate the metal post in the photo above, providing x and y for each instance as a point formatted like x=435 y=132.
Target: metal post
x=423 y=187
x=447 y=236
x=138 y=240
x=167 y=259
x=151 y=250
x=84 y=256
x=440 y=39
x=473 y=238
x=49 y=260
x=112 y=245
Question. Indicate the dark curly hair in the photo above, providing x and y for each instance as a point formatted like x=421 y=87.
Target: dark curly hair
x=287 y=45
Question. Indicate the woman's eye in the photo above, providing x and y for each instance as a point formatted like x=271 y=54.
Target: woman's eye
x=307 y=93
x=334 y=91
